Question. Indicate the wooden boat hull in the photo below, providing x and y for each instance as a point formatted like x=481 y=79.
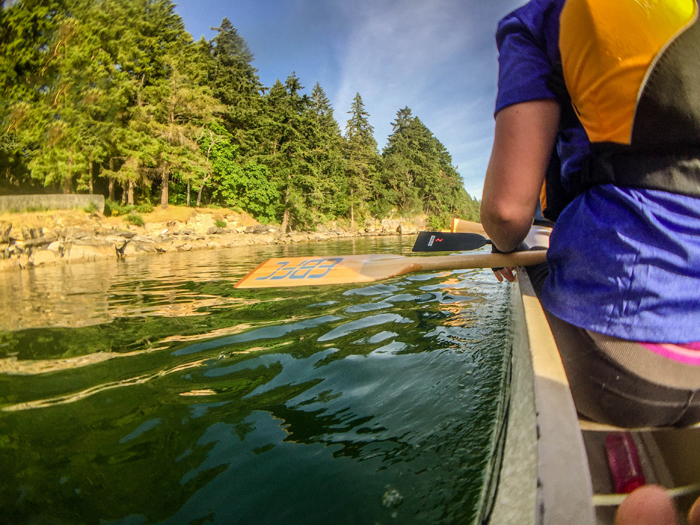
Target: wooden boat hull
x=551 y=467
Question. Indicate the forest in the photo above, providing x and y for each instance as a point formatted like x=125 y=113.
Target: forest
x=115 y=97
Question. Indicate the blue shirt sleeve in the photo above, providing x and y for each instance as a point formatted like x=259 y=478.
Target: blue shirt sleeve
x=527 y=41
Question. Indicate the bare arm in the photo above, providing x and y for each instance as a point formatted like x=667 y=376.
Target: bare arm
x=523 y=143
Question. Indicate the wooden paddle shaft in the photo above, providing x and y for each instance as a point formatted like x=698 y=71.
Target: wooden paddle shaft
x=478 y=260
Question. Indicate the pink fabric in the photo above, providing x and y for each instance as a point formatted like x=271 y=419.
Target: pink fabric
x=686 y=353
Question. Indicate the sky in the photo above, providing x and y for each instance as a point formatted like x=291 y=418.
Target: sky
x=438 y=57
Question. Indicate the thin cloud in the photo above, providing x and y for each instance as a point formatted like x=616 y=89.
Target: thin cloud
x=439 y=58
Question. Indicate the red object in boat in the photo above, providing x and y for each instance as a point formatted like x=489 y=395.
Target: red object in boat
x=623 y=461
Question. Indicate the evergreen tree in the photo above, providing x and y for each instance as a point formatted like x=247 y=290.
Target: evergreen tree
x=172 y=102
x=361 y=158
x=97 y=94
x=86 y=97
x=235 y=83
x=400 y=157
x=30 y=40
x=419 y=174
x=181 y=110
x=321 y=106
x=328 y=156
x=32 y=36
x=230 y=47
x=293 y=133
x=403 y=120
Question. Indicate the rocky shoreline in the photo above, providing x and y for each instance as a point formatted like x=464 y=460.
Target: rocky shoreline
x=64 y=237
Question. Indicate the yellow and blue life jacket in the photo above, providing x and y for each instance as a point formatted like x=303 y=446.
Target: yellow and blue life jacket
x=632 y=70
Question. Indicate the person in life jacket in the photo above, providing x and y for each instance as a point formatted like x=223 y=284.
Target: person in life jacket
x=599 y=101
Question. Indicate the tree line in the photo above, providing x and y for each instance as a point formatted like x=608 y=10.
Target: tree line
x=115 y=97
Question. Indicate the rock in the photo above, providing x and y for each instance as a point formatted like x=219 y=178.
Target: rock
x=164 y=246
x=87 y=252
x=30 y=233
x=259 y=229
x=78 y=233
x=41 y=257
x=142 y=238
x=40 y=241
x=390 y=224
x=136 y=247
x=56 y=247
x=5 y=229
x=266 y=239
x=201 y=222
x=53 y=239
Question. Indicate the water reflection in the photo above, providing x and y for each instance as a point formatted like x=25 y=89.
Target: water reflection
x=171 y=285
x=347 y=404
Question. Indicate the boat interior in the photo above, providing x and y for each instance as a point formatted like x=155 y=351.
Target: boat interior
x=551 y=466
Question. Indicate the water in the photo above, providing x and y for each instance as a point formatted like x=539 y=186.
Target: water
x=152 y=391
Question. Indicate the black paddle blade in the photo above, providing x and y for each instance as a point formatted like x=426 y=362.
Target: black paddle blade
x=448 y=242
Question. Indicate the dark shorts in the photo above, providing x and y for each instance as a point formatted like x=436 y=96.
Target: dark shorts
x=620 y=382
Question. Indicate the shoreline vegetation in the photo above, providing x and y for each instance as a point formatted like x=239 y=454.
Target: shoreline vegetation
x=116 y=98
x=34 y=239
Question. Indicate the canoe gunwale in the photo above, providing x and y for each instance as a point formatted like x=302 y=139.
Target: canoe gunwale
x=553 y=485
x=566 y=491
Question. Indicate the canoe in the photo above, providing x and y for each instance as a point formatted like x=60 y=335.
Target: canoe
x=462 y=226
x=550 y=467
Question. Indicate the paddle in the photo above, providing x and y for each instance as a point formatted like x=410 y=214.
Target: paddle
x=537 y=239
x=305 y=271
x=448 y=242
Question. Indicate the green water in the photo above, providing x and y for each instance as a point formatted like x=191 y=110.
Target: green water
x=152 y=391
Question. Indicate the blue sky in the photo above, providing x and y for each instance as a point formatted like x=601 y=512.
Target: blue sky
x=438 y=57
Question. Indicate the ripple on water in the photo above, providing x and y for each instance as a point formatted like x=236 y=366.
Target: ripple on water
x=154 y=392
